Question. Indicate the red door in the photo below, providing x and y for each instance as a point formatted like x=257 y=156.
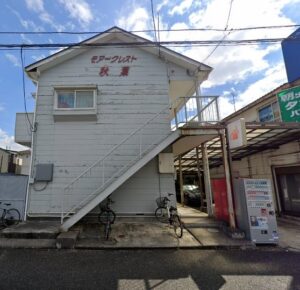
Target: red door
x=220 y=198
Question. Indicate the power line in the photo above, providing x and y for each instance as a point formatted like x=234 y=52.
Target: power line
x=225 y=35
x=151 y=30
x=32 y=129
x=153 y=19
x=149 y=43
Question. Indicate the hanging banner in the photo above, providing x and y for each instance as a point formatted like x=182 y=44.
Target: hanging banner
x=289 y=103
x=237 y=134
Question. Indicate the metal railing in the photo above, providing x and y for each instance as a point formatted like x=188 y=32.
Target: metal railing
x=132 y=148
x=196 y=109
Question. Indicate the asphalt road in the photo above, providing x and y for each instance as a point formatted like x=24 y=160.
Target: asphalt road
x=149 y=269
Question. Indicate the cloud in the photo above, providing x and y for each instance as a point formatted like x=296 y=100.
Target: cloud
x=13 y=59
x=272 y=78
x=7 y=142
x=26 y=39
x=27 y=24
x=79 y=10
x=38 y=57
x=232 y=64
x=181 y=8
x=137 y=20
x=1 y=108
x=35 y=5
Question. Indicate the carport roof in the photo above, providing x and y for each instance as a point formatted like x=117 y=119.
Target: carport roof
x=260 y=137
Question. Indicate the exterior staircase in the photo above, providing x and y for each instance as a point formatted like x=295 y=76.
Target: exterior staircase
x=109 y=172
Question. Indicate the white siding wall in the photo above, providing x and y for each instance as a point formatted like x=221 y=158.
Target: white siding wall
x=123 y=104
x=138 y=194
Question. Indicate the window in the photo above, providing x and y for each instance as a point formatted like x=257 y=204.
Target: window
x=75 y=104
x=75 y=99
x=269 y=113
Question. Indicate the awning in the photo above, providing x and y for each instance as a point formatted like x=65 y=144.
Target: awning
x=260 y=137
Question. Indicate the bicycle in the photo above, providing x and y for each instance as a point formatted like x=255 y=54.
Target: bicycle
x=106 y=217
x=9 y=216
x=164 y=213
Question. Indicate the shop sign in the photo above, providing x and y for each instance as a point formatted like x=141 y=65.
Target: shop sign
x=289 y=103
x=237 y=134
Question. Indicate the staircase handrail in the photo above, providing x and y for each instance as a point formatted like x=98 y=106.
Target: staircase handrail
x=118 y=145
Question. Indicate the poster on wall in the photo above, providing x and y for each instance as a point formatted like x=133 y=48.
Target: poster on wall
x=289 y=103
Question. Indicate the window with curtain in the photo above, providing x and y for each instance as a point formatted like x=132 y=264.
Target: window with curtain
x=75 y=99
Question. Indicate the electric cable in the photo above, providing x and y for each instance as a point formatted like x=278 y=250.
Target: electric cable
x=149 y=43
x=32 y=129
x=153 y=19
x=151 y=30
x=225 y=35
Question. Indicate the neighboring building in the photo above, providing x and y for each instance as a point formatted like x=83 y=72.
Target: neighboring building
x=23 y=162
x=290 y=49
x=7 y=161
x=4 y=160
x=274 y=153
x=102 y=117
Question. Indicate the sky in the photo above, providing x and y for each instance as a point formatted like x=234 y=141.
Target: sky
x=243 y=73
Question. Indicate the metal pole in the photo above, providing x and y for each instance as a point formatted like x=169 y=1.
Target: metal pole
x=200 y=180
x=228 y=182
x=176 y=120
x=207 y=183
x=217 y=108
x=181 y=182
x=198 y=101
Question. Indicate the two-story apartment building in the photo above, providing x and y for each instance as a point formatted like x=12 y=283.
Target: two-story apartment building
x=102 y=116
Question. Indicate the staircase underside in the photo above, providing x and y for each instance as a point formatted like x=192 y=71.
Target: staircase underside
x=119 y=181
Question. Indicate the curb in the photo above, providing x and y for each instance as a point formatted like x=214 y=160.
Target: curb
x=51 y=244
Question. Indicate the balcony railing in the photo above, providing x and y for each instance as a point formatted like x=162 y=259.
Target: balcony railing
x=196 y=109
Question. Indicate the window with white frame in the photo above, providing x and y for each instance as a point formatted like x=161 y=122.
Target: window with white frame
x=75 y=99
x=269 y=113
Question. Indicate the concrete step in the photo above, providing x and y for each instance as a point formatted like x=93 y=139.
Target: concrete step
x=32 y=230
x=11 y=243
x=192 y=222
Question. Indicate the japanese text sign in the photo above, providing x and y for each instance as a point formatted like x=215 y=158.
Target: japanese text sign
x=106 y=61
x=289 y=103
x=237 y=133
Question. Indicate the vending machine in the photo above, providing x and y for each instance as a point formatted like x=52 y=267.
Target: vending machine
x=254 y=208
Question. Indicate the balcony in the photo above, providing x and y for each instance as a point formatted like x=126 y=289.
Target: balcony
x=22 y=129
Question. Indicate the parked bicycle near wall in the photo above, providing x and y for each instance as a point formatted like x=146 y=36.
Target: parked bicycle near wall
x=10 y=216
x=167 y=213
x=106 y=217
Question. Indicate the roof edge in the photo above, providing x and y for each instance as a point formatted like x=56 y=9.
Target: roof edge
x=33 y=66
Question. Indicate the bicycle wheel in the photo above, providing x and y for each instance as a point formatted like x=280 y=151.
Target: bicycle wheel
x=161 y=214
x=12 y=217
x=177 y=225
x=107 y=215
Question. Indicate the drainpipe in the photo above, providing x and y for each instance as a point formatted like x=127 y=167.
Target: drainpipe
x=33 y=135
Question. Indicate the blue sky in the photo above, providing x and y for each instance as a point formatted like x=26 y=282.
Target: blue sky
x=246 y=71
